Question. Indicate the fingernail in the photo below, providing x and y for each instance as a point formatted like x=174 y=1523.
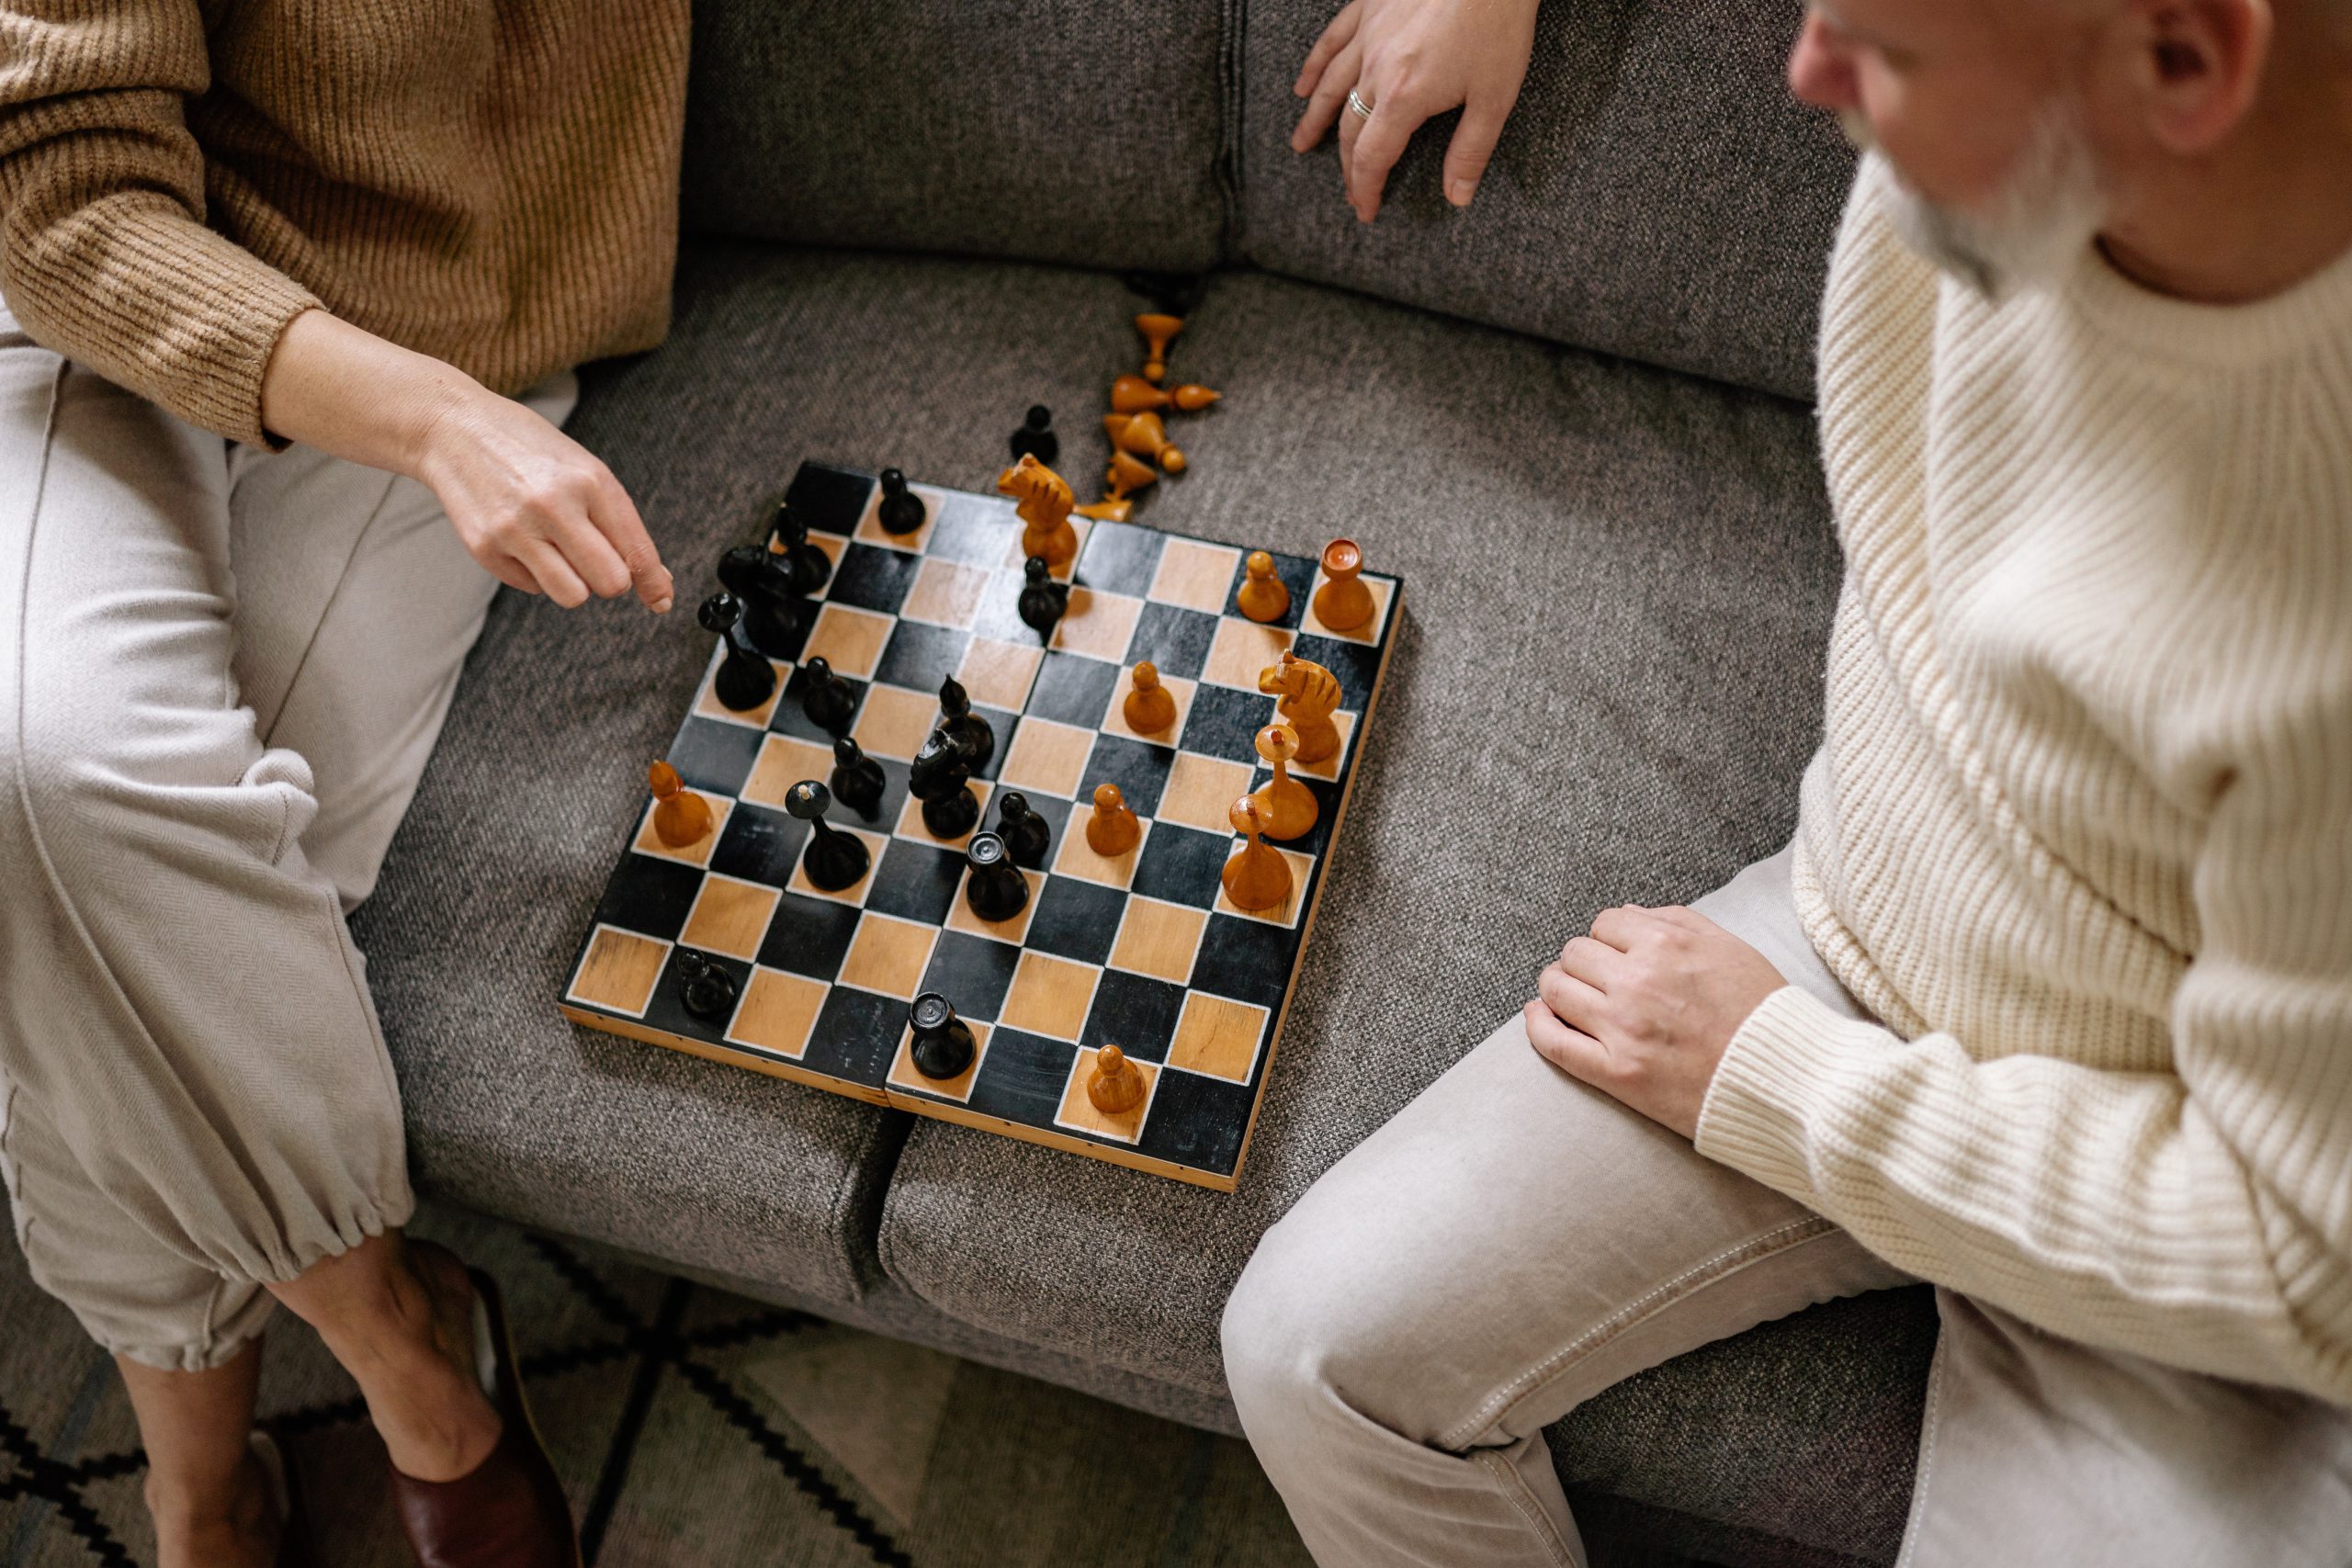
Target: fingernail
x=1461 y=191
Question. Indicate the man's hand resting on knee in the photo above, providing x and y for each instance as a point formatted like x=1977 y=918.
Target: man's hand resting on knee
x=1644 y=1007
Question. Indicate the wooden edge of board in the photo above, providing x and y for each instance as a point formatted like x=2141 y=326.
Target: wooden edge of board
x=731 y=1057
x=944 y=1112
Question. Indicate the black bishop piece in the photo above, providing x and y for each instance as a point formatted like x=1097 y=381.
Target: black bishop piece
x=967 y=729
x=996 y=890
x=942 y=781
x=810 y=567
x=772 y=606
x=902 y=510
x=1035 y=439
x=825 y=698
x=1024 y=833
x=857 y=779
x=746 y=680
x=833 y=860
x=1041 y=599
x=943 y=1043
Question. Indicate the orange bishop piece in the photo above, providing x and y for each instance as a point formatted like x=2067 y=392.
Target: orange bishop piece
x=1133 y=394
x=1309 y=694
x=1150 y=707
x=1287 y=807
x=1112 y=830
x=1257 y=879
x=680 y=816
x=1264 y=596
x=1343 y=602
x=1144 y=435
x=1045 y=506
x=1158 y=331
x=1114 y=1086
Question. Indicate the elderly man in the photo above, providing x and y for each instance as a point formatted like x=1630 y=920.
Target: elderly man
x=2050 y=1003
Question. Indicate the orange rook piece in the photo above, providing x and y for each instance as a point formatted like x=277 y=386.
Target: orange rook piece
x=1343 y=602
x=681 y=817
x=1114 y=1086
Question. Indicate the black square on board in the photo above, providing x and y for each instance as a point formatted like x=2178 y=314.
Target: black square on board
x=919 y=656
x=1356 y=665
x=1249 y=961
x=1076 y=920
x=856 y=1035
x=916 y=881
x=1073 y=689
x=1120 y=557
x=1021 y=1078
x=1135 y=1013
x=809 y=936
x=872 y=578
x=1176 y=640
x=829 y=498
x=1196 y=1120
x=759 y=845
x=667 y=1008
x=1181 y=865
x=973 y=973
x=1225 y=723
x=1141 y=770
x=712 y=755
x=1294 y=572
x=972 y=529
x=650 y=896
x=791 y=718
x=1003 y=723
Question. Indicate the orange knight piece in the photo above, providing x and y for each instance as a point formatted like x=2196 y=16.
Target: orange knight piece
x=1046 y=501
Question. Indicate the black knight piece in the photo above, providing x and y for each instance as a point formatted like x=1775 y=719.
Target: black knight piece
x=942 y=781
x=967 y=729
x=746 y=680
x=1035 y=439
x=810 y=567
x=902 y=511
x=1026 y=834
x=826 y=698
x=833 y=860
x=943 y=1043
x=996 y=890
x=772 y=606
x=707 y=989
x=1041 y=599
x=857 y=778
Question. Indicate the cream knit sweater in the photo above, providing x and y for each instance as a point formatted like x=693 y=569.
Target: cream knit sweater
x=2080 y=830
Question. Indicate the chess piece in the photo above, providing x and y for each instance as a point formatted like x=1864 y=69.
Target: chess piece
x=1309 y=695
x=1264 y=596
x=1106 y=511
x=1035 y=439
x=825 y=698
x=1026 y=837
x=1043 y=600
x=996 y=890
x=1150 y=707
x=1045 y=506
x=902 y=511
x=1112 y=830
x=708 y=989
x=1144 y=435
x=1159 y=331
x=772 y=606
x=1114 y=1086
x=1133 y=394
x=943 y=1045
x=857 y=779
x=1127 y=474
x=680 y=816
x=1287 y=807
x=834 y=859
x=941 y=779
x=810 y=567
x=1343 y=602
x=1257 y=879
x=1193 y=397
x=746 y=680
x=967 y=729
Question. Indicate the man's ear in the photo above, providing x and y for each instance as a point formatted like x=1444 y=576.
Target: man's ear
x=2197 y=67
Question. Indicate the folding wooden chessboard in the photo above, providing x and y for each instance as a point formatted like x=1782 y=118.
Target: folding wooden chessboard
x=1144 y=952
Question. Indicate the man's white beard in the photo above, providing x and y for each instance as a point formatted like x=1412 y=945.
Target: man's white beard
x=2035 y=228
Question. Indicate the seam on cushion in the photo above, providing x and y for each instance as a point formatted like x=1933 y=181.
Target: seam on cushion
x=1232 y=114
x=1513 y=1486
x=1464 y=1433
x=863 y=1275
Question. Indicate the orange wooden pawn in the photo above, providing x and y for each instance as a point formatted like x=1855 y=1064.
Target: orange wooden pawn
x=1150 y=707
x=1107 y=511
x=1146 y=435
x=1264 y=596
x=1112 y=830
x=1257 y=879
x=680 y=816
x=1126 y=475
x=1133 y=394
x=1159 y=331
x=1114 y=1086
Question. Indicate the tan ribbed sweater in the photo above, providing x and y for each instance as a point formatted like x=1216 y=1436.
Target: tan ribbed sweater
x=2080 y=830
x=491 y=182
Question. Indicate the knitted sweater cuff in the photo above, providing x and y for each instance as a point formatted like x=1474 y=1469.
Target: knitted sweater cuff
x=1790 y=1068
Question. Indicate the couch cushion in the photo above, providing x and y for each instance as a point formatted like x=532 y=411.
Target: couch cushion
x=1657 y=193
x=1047 y=129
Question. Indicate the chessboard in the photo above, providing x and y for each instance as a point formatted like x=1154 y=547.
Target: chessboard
x=1143 y=951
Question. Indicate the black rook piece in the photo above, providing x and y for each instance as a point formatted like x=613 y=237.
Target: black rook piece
x=833 y=860
x=746 y=680
x=709 y=989
x=1041 y=599
x=901 y=509
x=996 y=890
x=960 y=724
x=857 y=778
x=1035 y=439
x=826 y=699
x=1024 y=832
x=811 y=566
x=943 y=1043
x=770 y=604
x=941 y=780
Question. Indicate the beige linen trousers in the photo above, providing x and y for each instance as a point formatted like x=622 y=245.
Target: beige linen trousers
x=221 y=671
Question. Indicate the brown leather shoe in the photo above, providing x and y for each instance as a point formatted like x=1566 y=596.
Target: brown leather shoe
x=509 y=1511
x=294 y=1548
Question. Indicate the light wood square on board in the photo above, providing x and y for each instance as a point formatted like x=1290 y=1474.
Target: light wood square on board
x=888 y=955
x=1241 y=649
x=1076 y=857
x=784 y=761
x=1201 y=791
x=1049 y=995
x=1284 y=913
x=1097 y=623
x=1367 y=633
x=869 y=525
x=905 y=1075
x=946 y=592
x=855 y=892
x=778 y=1011
x=999 y=674
x=619 y=971
x=1048 y=757
x=649 y=842
x=1078 y=1108
x=730 y=916
x=911 y=825
x=1197 y=576
x=850 y=640
x=1159 y=939
x=1114 y=718
x=893 y=722
x=1217 y=1036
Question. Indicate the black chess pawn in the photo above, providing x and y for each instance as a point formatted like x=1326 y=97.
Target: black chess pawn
x=833 y=860
x=708 y=989
x=825 y=698
x=810 y=567
x=942 y=781
x=746 y=680
x=1035 y=439
x=943 y=1043
x=772 y=606
x=966 y=728
x=1024 y=832
x=857 y=778
x=996 y=890
x=902 y=510
x=1041 y=599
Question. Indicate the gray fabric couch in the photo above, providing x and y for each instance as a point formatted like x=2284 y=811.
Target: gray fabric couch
x=1571 y=417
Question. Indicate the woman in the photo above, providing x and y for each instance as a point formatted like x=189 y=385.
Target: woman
x=289 y=290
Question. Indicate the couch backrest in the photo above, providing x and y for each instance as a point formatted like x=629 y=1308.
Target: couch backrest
x=1658 y=193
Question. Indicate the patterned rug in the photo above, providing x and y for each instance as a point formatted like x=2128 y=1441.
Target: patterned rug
x=694 y=1429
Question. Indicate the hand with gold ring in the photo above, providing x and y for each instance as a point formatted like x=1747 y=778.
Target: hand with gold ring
x=1392 y=64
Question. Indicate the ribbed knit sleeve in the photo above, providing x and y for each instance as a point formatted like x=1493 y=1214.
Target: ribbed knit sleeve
x=104 y=252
